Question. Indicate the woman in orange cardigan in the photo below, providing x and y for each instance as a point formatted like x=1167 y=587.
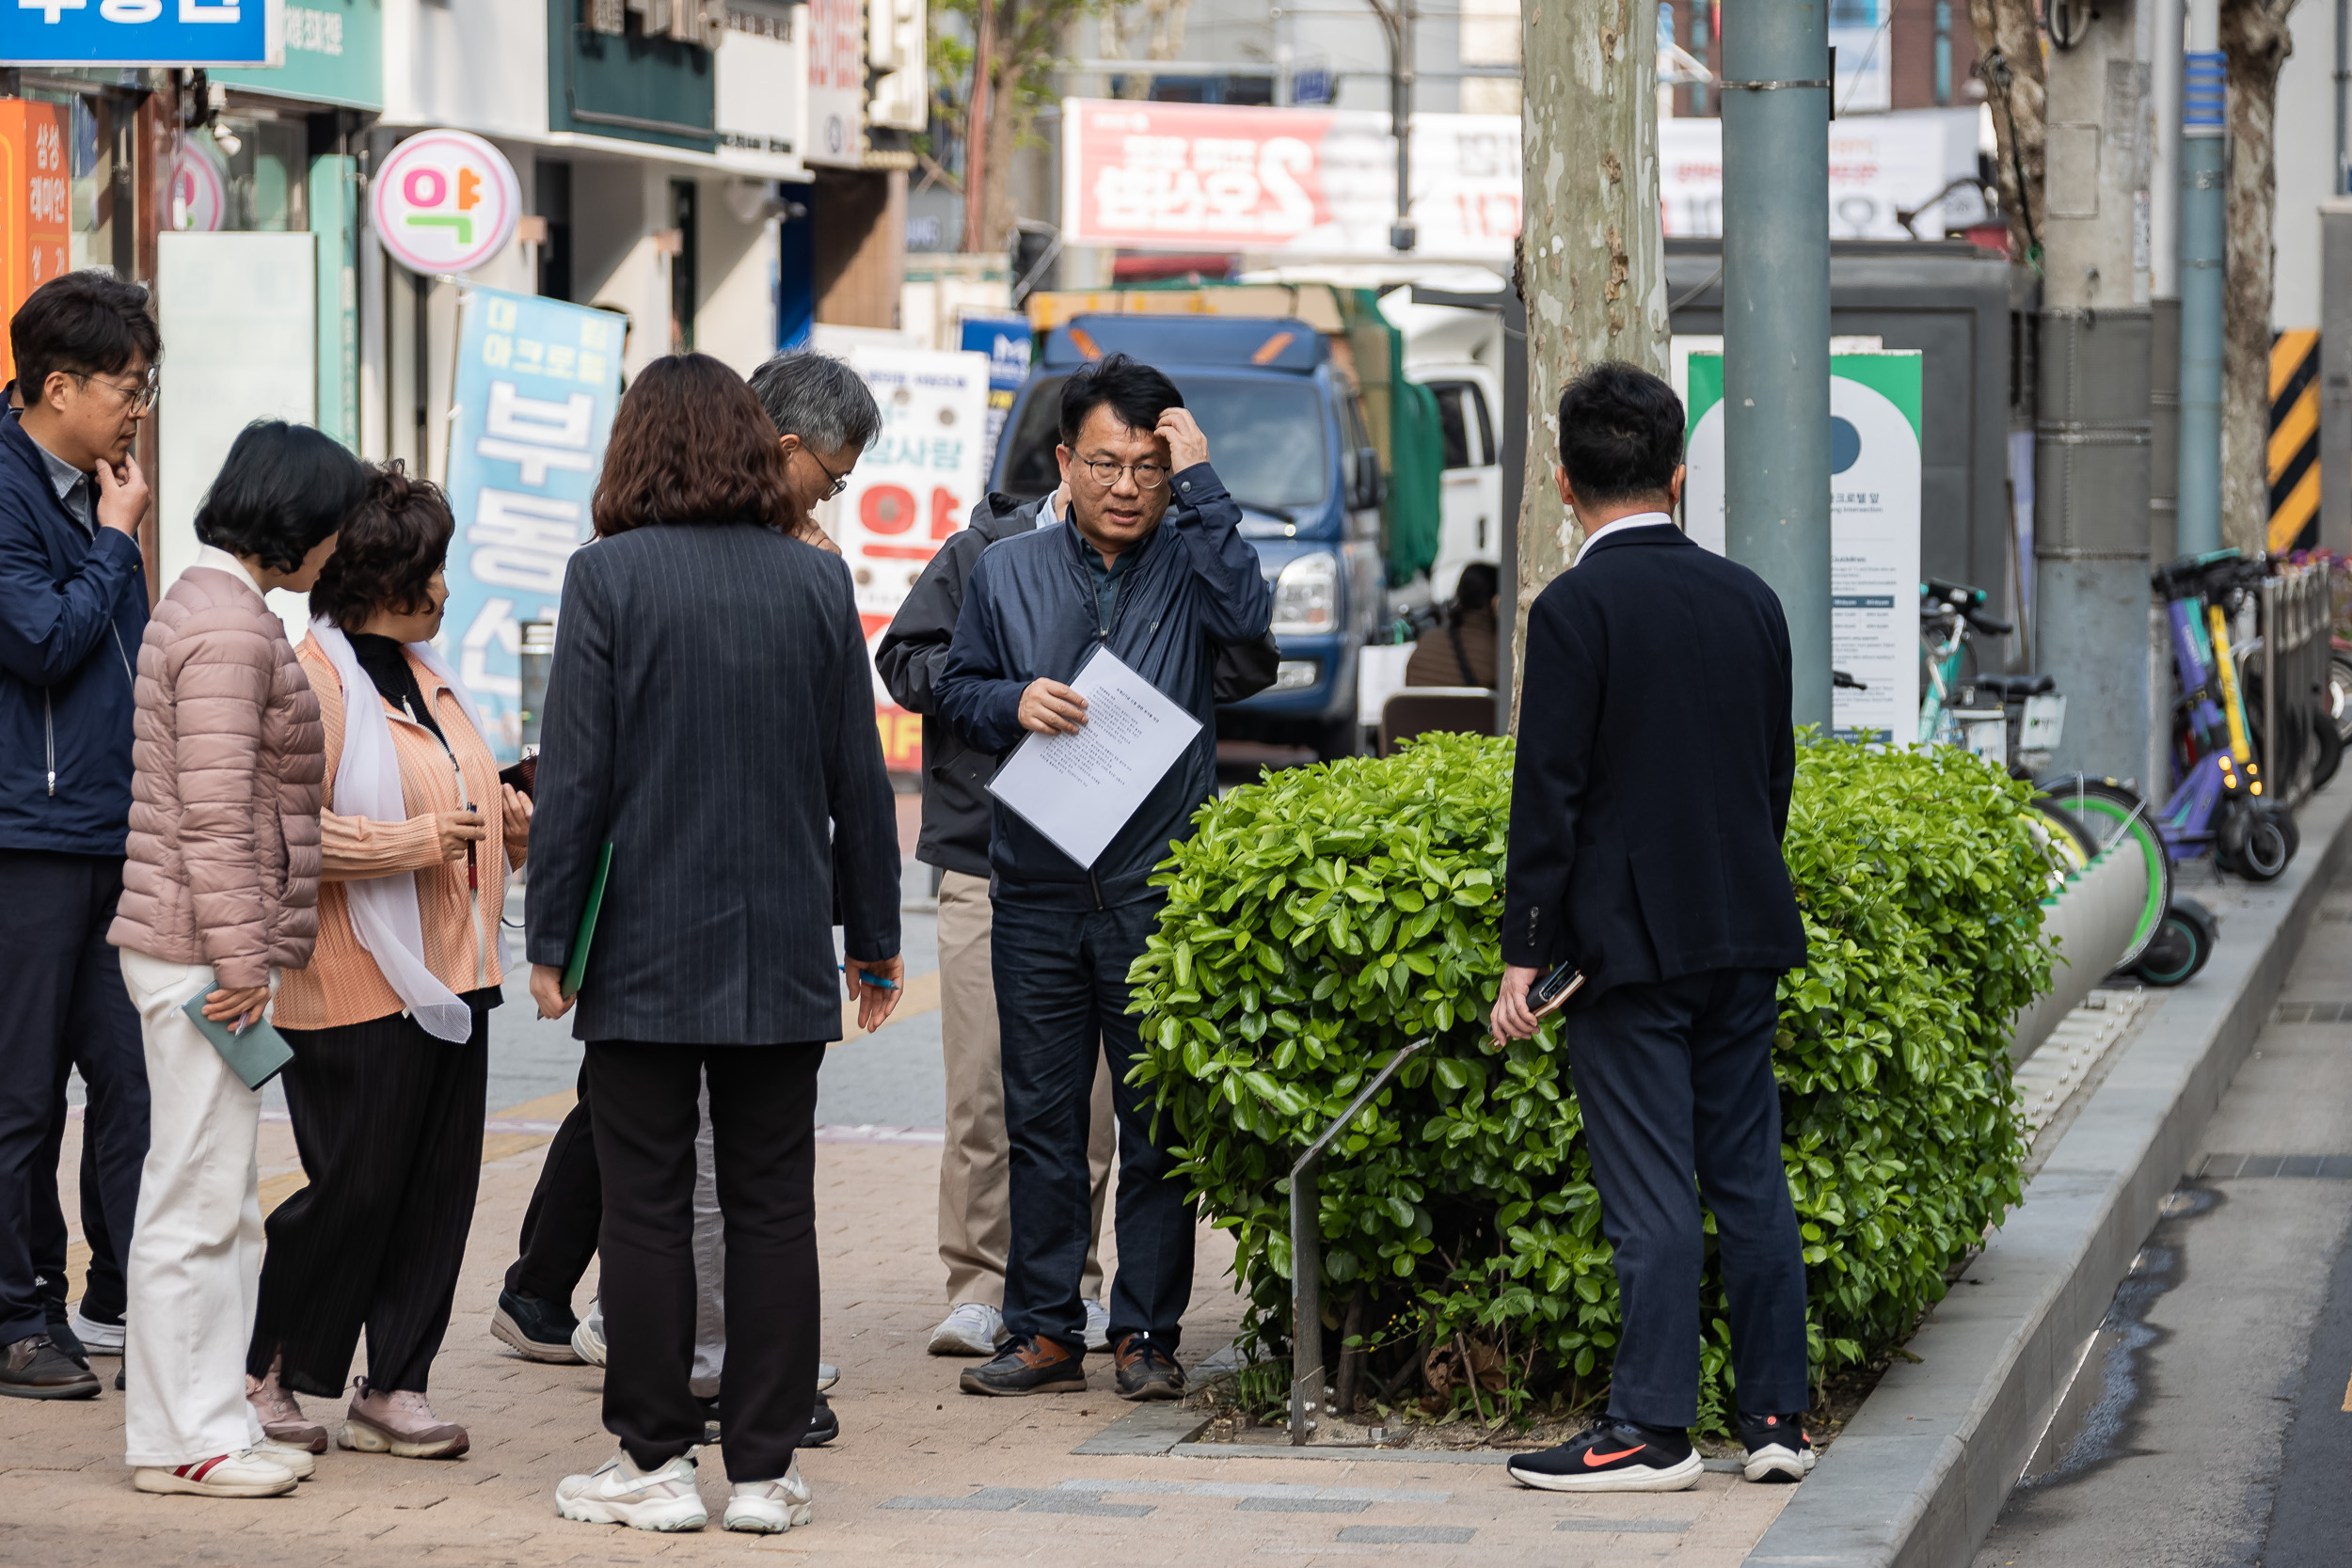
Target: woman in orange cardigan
x=388 y=1024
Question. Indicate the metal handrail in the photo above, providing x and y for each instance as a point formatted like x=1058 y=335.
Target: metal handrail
x=1307 y=1256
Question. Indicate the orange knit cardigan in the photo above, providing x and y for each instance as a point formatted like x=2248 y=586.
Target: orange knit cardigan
x=343 y=985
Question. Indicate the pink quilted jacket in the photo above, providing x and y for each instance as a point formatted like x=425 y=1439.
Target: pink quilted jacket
x=224 y=852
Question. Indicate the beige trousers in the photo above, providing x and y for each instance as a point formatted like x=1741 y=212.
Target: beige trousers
x=974 y=1167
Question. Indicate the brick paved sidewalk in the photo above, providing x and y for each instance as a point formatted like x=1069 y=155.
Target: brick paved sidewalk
x=921 y=1474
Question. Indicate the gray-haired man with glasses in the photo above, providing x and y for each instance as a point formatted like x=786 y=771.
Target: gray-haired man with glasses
x=1150 y=566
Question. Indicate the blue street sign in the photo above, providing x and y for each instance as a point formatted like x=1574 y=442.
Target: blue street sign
x=143 y=32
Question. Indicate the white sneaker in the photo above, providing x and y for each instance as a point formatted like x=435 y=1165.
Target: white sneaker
x=618 y=1493
x=247 y=1473
x=1098 y=1325
x=827 y=1375
x=588 y=1342
x=769 y=1507
x=974 y=1328
x=97 y=1337
x=298 y=1460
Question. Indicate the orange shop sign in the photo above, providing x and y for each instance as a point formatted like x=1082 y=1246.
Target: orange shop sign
x=35 y=237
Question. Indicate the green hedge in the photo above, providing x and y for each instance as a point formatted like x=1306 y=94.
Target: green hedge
x=1321 y=919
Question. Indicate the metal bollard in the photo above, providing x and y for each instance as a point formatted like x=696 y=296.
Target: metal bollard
x=539 y=653
x=1307 y=1257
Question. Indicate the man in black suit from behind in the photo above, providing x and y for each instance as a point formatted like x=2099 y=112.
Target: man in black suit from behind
x=1655 y=759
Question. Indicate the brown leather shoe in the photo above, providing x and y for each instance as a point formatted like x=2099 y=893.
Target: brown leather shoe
x=1146 y=1370
x=38 y=1368
x=34 y=1369
x=400 y=1423
x=1028 y=1365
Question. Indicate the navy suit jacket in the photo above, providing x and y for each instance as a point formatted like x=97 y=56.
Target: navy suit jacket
x=1655 y=760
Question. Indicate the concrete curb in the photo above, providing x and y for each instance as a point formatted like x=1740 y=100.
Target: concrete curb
x=1917 y=1478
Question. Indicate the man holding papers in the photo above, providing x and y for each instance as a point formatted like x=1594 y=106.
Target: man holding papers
x=1145 y=576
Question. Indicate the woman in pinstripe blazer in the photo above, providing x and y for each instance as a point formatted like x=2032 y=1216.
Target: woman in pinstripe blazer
x=709 y=715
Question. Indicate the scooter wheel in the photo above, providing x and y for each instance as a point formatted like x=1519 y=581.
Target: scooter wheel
x=2183 y=941
x=2264 y=847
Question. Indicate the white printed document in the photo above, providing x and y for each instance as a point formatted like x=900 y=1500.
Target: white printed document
x=1079 y=790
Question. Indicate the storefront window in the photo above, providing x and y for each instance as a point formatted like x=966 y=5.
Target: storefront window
x=243 y=174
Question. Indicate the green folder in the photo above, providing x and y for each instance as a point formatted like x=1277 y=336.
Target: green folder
x=256 y=1055
x=578 y=969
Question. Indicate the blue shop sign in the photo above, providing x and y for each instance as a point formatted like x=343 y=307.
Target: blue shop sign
x=141 y=32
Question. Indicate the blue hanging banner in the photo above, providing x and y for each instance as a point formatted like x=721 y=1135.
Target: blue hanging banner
x=537 y=383
x=1005 y=341
x=143 y=32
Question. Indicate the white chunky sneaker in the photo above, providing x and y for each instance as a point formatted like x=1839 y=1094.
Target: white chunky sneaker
x=588 y=1341
x=769 y=1507
x=618 y=1493
x=974 y=1328
x=1098 y=1325
x=247 y=1473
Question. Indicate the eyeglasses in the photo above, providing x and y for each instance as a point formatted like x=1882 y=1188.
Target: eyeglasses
x=1149 y=475
x=141 y=398
x=840 y=481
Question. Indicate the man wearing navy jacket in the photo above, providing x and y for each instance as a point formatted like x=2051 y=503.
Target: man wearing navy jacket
x=73 y=609
x=1150 y=566
x=1655 y=760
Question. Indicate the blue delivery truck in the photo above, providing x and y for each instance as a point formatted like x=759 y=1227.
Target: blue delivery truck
x=1288 y=435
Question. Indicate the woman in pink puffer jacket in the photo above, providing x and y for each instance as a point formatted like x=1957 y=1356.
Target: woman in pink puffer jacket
x=220 y=892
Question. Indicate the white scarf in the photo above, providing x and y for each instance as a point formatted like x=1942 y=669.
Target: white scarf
x=384 y=909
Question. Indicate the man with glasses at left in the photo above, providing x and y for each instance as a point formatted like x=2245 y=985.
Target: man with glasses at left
x=72 y=612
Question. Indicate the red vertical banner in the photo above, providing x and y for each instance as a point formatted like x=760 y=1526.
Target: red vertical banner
x=35 y=189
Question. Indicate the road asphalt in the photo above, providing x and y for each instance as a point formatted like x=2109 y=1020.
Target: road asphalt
x=2210 y=1423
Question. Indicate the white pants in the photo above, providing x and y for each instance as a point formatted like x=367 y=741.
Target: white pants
x=195 y=1267
x=711 y=1267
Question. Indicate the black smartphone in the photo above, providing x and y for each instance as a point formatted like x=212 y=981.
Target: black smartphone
x=1554 y=989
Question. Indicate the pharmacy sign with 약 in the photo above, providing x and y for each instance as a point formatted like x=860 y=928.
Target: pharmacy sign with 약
x=143 y=32
x=538 y=382
x=1874 y=428
x=445 y=201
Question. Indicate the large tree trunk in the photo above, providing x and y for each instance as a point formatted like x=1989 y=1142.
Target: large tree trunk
x=2009 y=63
x=2255 y=44
x=1591 y=265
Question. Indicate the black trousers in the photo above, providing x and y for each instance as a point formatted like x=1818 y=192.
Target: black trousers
x=65 y=1008
x=387 y=1119
x=1676 y=1077
x=1061 y=986
x=644 y=1105
x=558 y=1235
x=102 y=1290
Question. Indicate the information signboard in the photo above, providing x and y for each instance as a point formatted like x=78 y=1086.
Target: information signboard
x=1874 y=402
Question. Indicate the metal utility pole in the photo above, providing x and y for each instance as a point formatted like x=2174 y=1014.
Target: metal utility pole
x=2335 y=374
x=1592 y=258
x=1397 y=18
x=1776 y=106
x=2204 y=194
x=2170 y=19
x=2093 y=423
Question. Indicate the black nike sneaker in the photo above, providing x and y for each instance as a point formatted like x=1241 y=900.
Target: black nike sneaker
x=1611 y=1455
x=1778 y=1448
